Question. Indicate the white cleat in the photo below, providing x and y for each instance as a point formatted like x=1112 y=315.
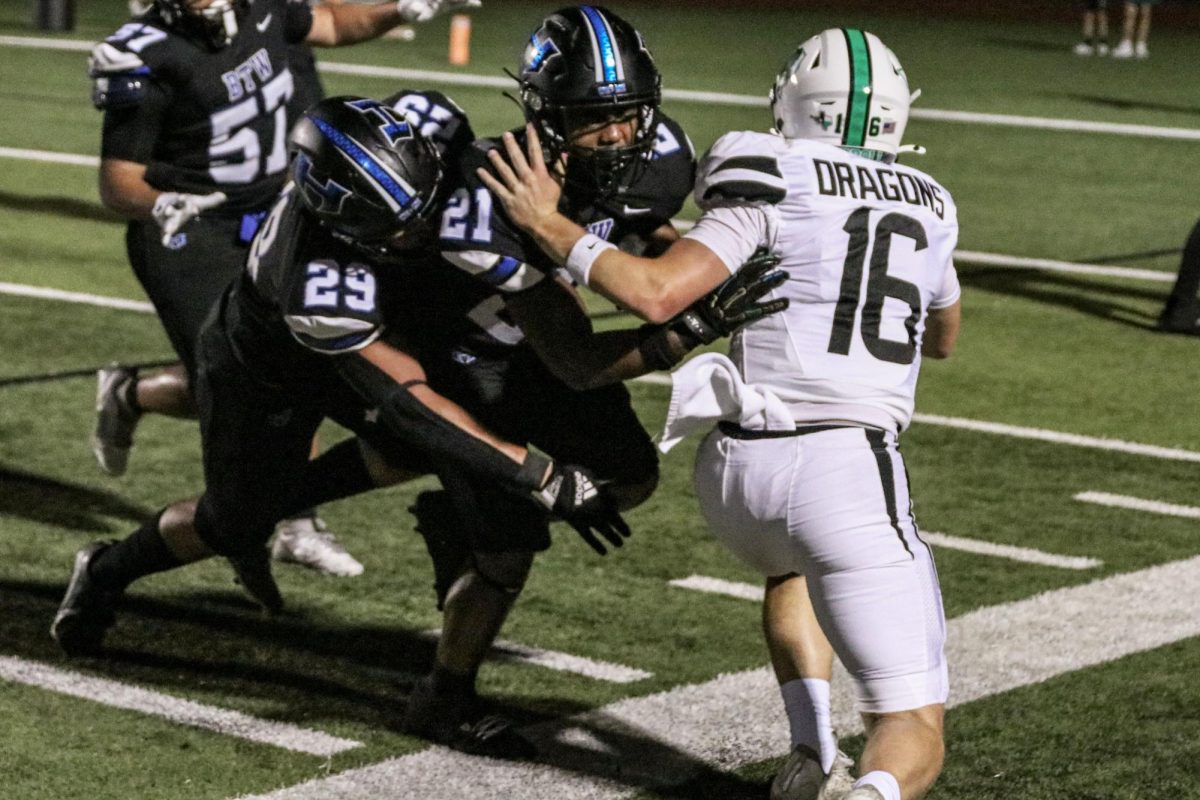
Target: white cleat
x=1140 y=50
x=306 y=541
x=1083 y=49
x=801 y=777
x=115 y=421
x=1123 y=50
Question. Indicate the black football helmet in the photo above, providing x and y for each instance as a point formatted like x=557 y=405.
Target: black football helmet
x=217 y=25
x=364 y=171
x=582 y=65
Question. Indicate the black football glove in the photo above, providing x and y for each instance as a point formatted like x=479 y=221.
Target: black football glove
x=734 y=303
x=574 y=496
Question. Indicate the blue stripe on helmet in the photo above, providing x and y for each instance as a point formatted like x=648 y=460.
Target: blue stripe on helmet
x=608 y=50
x=502 y=271
x=366 y=161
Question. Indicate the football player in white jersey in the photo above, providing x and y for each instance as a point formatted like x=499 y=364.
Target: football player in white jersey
x=867 y=245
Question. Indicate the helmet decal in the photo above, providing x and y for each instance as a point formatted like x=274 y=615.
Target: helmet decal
x=390 y=186
x=604 y=51
x=858 y=105
x=393 y=126
x=541 y=49
x=846 y=88
x=325 y=198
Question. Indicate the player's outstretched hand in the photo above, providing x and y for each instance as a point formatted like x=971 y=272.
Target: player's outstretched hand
x=173 y=210
x=425 y=10
x=574 y=495
x=736 y=302
x=528 y=190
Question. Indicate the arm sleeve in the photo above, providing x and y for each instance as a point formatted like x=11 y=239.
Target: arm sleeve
x=129 y=133
x=732 y=232
x=297 y=21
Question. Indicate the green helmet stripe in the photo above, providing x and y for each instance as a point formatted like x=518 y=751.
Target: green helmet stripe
x=859 y=102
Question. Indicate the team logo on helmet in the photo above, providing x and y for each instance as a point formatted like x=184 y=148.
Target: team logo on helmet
x=324 y=197
x=540 y=50
x=392 y=125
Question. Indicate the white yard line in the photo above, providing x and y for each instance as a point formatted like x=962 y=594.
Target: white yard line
x=73 y=159
x=421 y=76
x=1138 y=504
x=1051 y=265
x=703 y=583
x=174 y=709
x=43 y=293
x=1058 y=437
x=561 y=662
x=683 y=734
x=1025 y=554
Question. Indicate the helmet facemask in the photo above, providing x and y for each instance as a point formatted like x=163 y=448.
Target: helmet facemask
x=216 y=24
x=583 y=68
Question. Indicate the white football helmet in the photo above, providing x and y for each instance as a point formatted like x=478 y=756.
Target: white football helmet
x=845 y=87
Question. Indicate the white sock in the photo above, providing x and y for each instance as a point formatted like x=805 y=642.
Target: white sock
x=807 y=704
x=884 y=782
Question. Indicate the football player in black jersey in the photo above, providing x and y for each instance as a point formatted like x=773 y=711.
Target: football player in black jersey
x=298 y=338
x=195 y=98
x=508 y=340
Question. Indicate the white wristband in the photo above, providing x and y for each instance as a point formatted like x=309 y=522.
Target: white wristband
x=583 y=254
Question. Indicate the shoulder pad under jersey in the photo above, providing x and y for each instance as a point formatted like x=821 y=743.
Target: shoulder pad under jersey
x=437 y=116
x=118 y=65
x=740 y=167
x=666 y=181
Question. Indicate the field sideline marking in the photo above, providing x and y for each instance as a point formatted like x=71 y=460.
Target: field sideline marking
x=736 y=589
x=1057 y=437
x=43 y=293
x=562 y=662
x=1027 y=555
x=689 y=96
x=174 y=709
x=737 y=719
x=1138 y=504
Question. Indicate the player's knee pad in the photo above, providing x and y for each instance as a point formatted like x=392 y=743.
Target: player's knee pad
x=228 y=534
x=505 y=571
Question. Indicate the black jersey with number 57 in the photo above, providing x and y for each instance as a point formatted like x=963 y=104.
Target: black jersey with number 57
x=202 y=119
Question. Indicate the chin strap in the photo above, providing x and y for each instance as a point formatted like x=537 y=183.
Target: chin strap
x=915 y=149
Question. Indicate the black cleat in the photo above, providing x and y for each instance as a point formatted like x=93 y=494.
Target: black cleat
x=86 y=611
x=439 y=526
x=1180 y=316
x=253 y=573
x=458 y=721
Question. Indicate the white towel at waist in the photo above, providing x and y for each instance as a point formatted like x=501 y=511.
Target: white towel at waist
x=709 y=388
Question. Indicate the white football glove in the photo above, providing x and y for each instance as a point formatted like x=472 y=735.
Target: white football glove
x=425 y=10
x=172 y=210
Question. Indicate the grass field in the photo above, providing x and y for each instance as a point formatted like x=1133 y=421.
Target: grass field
x=1047 y=350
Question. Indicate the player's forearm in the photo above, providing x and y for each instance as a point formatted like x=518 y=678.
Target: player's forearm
x=351 y=23
x=123 y=189
x=617 y=356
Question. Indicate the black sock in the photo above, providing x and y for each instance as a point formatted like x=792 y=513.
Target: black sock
x=338 y=472
x=142 y=553
x=447 y=682
x=128 y=394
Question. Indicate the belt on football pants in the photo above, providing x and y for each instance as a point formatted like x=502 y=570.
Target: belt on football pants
x=738 y=432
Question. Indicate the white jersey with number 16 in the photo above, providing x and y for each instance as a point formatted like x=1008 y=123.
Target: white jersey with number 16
x=867 y=247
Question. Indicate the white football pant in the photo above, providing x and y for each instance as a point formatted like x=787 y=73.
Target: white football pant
x=834 y=506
